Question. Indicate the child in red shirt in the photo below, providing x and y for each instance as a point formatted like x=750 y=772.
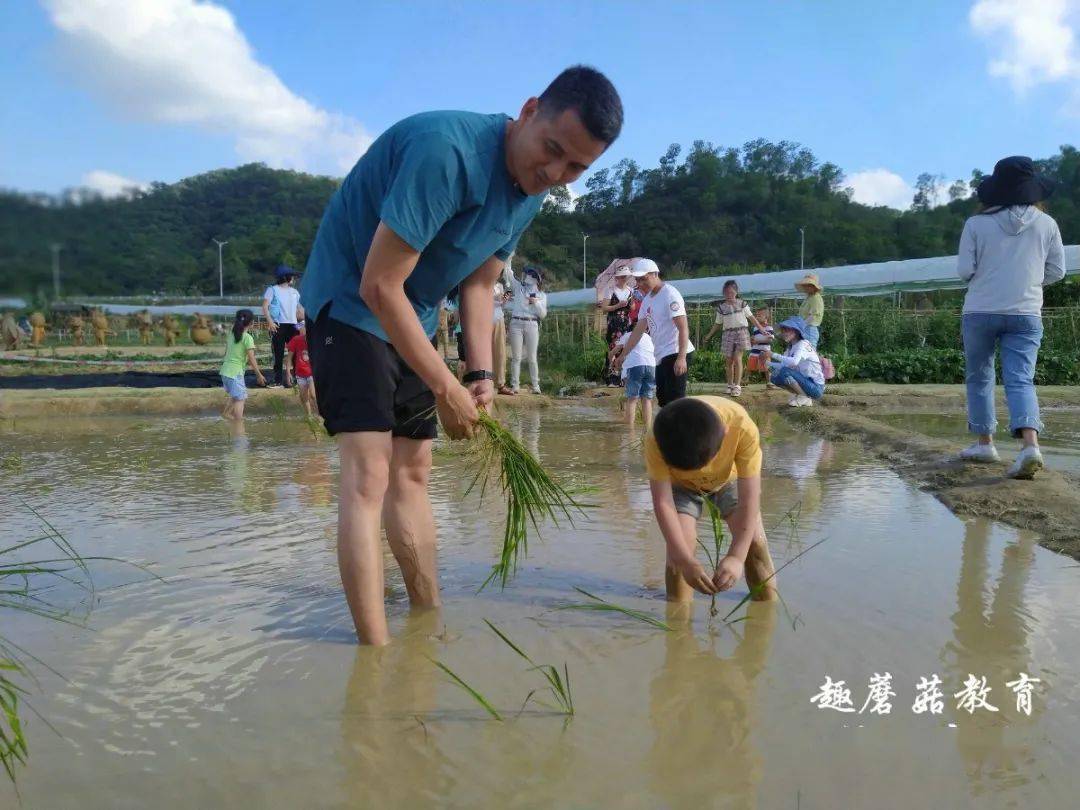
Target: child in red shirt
x=297 y=361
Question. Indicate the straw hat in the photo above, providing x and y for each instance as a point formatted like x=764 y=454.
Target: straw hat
x=623 y=271
x=809 y=280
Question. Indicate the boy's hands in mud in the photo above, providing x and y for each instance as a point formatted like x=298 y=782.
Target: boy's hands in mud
x=728 y=572
x=695 y=575
x=457 y=411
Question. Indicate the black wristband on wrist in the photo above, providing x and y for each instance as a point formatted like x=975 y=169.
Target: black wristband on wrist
x=476 y=376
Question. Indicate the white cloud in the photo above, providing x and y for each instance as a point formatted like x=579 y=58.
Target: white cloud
x=880 y=187
x=186 y=62
x=1035 y=40
x=108 y=184
x=884 y=187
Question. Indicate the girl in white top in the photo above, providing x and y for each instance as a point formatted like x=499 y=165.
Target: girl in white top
x=798 y=369
x=528 y=307
x=639 y=373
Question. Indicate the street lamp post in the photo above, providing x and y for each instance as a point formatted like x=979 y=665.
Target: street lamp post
x=802 y=248
x=56 y=247
x=220 y=272
x=584 y=240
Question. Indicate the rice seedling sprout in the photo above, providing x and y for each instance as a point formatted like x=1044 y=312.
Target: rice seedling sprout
x=559 y=686
x=601 y=605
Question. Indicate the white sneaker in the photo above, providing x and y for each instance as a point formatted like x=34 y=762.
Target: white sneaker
x=536 y=389
x=983 y=453
x=804 y=402
x=730 y=388
x=736 y=390
x=1028 y=462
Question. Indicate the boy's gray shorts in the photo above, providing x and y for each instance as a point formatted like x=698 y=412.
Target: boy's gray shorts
x=688 y=502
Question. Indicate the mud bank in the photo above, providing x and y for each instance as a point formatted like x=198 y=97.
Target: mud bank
x=1048 y=505
x=122 y=401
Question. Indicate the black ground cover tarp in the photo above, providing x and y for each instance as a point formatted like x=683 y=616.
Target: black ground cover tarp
x=127 y=379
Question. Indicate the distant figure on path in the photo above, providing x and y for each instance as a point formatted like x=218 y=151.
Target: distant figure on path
x=282 y=311
x=528 y=307
x=1008 y=253
x=812 y=309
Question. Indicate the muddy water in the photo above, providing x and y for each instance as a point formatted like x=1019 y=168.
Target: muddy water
x=1060 y=438
x=235 y=683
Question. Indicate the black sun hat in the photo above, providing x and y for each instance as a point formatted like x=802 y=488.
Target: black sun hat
x=1015 y=182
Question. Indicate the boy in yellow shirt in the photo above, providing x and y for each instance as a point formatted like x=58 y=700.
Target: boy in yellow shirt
x=708 y=447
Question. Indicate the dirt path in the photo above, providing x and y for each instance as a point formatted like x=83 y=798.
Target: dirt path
x=1048 y=506
x=166 y=401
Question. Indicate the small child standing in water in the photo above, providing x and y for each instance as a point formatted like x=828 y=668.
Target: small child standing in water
x=239 y=346
x=298 y=364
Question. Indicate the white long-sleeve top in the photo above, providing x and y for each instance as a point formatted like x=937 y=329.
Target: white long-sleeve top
x=519 y=304
x=1007 y=257
x=801 y=356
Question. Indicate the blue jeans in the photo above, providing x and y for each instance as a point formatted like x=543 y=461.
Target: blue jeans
x=813 y=334
x=1019 y=337
x=640 y=382
x=782 y=375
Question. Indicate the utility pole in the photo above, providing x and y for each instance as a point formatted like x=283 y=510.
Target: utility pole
x=584 y=240
x=56 y=247
x=802 y=248
x=220 y=273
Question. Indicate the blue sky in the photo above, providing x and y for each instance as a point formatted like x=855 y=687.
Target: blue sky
x=104 y=92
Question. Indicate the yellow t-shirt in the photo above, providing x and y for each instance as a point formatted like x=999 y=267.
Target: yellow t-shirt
x=739 y=455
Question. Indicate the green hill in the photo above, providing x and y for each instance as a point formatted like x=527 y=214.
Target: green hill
x=715 y=210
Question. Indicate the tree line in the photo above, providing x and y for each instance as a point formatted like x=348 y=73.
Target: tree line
x=700 y=211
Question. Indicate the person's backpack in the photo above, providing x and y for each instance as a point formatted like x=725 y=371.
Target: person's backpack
x=828 y=370
x=276 y=313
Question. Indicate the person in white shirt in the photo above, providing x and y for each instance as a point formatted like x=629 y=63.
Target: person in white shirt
x=639 y=372
x=798 y=369
x=663 y=313
x=282 y=310
x=528 y=307
x=498 y=338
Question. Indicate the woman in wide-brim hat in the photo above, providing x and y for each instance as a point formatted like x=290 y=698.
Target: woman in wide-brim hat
x=1008 y=253
x=812 y=309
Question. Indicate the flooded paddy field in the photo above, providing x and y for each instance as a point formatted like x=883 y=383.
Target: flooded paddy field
x=236 y=682
x=1060 y=439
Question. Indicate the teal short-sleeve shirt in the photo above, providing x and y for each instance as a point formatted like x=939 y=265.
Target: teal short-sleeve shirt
x=439 y=181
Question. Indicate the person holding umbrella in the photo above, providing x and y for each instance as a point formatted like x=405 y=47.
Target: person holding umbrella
x=618 y=315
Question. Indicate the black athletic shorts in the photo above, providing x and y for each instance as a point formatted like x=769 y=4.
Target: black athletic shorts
x=364 y=385
x=670 y=387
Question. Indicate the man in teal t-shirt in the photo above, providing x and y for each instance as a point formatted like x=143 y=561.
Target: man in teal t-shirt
x=438 y=201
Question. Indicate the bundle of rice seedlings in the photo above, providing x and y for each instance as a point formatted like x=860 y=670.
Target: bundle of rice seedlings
x=714 y=556
x=558 y=685
x=604 y=606
x=530 y=491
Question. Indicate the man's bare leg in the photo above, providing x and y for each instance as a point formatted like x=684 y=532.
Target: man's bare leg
x=759 y=564
x=631 y=411
x=646 y=411
x=677 y=588
x=410 y=524
x=365 y=473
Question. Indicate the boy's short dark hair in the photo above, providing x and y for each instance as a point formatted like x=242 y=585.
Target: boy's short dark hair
x=688 y=433
x=592 y=95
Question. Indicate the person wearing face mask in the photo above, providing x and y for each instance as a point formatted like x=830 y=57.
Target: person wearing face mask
x=439 y=200
x=529 y=307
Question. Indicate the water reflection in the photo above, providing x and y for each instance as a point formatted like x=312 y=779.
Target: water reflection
x=990 y=637
x=392 y=758
x=698 y=697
